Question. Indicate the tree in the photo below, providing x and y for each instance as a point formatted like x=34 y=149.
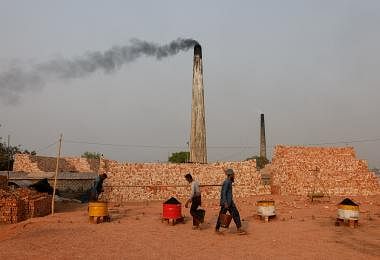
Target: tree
x=179 y=157
x=261 y=161
x=91 y=155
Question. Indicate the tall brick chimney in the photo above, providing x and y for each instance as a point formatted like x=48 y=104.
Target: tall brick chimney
x=198 y=152
x=263 y=145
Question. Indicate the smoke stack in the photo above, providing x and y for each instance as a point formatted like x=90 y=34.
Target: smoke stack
x=198 y=153
x=263 y=145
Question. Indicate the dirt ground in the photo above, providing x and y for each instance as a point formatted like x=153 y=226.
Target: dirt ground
x=301 y=230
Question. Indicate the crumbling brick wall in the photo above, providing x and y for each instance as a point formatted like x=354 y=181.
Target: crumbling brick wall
x=334 y=170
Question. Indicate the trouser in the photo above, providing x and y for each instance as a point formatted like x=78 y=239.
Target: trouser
x=195 y=203
x=93 y=195
x=234 y=213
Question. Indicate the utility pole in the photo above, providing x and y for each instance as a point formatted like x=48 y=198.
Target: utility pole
x=188 y=153
x=9 y=158
x=56 y=172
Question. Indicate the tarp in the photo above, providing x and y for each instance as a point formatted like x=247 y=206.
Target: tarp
x=348 y=201
x=172 y=200
x=42 y=186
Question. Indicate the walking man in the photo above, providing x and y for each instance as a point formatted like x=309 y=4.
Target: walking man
x=227 y=203
x=195 y=200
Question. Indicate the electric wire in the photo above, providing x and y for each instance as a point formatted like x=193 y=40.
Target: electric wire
x=45 y=147
x=242 y=148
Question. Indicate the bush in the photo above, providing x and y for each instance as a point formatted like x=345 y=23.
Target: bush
x=91 y=155
x=179 y=157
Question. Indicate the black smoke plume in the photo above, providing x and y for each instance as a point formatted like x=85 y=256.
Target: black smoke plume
x=19 y=78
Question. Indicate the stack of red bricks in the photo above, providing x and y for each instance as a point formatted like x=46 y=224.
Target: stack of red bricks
x=332 y=170
x=33 y=164
x=159 y=181
x=11 y=208
x=3 y=182
x=21 y=204
x=151 y=181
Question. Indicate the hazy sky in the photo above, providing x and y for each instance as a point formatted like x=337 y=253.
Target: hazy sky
x=312 y=67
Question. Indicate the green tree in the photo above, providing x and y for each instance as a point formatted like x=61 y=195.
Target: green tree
x=91 y=155
x=179 y=157
x=261 y=161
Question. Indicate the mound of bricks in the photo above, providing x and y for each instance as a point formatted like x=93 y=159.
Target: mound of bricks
x=33 y=164
x=159 y=181
x=21 y=204
x=333 y=170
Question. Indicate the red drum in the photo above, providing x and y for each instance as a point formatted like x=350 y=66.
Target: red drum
x=171 y=209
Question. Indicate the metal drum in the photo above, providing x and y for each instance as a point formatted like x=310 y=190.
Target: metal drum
x=348 y=211
x=266 y=208
x=97 y=209
x=171 y=209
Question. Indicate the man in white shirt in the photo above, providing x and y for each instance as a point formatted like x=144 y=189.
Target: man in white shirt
x=195 y=200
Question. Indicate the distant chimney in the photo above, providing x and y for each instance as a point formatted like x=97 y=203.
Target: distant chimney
x=198 y=153
x=263 y=145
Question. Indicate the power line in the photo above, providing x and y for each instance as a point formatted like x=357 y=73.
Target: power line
x=212 y=146
x=239 y=153
x=124 y=145
x=161 y=146
x=242 y=148
x=350 y=141
x=46 y=147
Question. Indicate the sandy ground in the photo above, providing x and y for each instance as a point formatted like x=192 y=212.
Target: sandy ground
x=301 y=230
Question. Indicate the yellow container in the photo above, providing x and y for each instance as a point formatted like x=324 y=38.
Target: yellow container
x=97 y=209
x=266 y=208
x=348 y=207
x=265 y=203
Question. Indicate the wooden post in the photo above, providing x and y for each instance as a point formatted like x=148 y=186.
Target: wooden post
x=9 y=158
x=56 y=173
x=320 y=182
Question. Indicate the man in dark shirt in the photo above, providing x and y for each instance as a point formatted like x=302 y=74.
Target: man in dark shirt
x=97 y=188
x=227 y=203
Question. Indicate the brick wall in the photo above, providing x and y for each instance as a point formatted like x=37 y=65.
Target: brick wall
x=151 y=181
x=159 y=181
x=339 y=171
